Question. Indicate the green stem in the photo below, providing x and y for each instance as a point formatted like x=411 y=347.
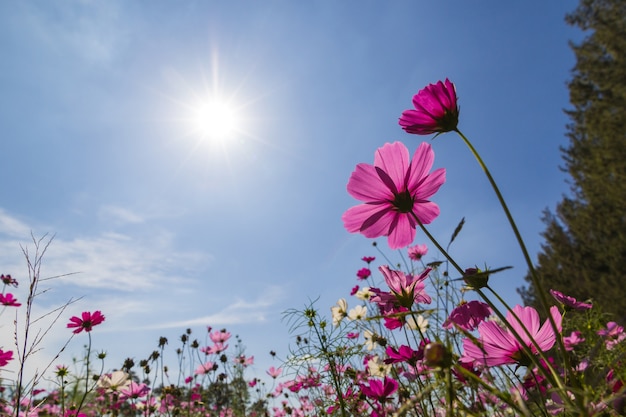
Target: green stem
x=531 y=268
x=82 y=400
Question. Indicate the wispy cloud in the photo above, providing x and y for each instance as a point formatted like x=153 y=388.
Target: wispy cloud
x=238 y=312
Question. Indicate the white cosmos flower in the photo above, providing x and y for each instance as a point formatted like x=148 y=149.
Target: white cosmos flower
x=418 y=322
x=339 y=311
x=376 y=367
x=115 y=381
x=358 y=313
x=364 y=294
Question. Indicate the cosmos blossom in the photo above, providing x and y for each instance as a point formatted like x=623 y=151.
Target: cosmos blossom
x=8 y=300
x=468 y=315
x=436 y=110
x=379 y=390
x=395 y=192
x=85 y=322
x=5 y=357
x=417 y=252
x=569 y=302
x=497 y=345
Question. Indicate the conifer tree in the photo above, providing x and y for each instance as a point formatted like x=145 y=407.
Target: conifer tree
x=584 y=249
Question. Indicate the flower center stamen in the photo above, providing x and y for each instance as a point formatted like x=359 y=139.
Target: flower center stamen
x=403 y=202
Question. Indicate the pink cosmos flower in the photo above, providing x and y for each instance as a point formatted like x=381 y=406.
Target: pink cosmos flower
x=417 y=252
x=407 y=289
x=87 y=321
x=570 y=302
x=379 y=390
x=274 y=372
x=368 y=259
x=403 y=354
x=363 y=273
x=5 y=357
x=436 y=110
x=205 y=368
x=8 y=300
x=613 y=334
x=134 y=390
x=219 y=336
x=468 y=315
x=395 y=193
x=243 y=360
x=574 y=339
x=498 y=345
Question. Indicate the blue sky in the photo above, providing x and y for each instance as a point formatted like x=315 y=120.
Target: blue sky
x=169 y=230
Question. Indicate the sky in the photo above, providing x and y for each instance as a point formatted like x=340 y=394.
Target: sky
x=164 y=227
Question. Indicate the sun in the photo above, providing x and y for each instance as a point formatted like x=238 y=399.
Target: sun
x=215 y=120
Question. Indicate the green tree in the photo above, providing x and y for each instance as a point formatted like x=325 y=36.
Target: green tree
x=584 y=249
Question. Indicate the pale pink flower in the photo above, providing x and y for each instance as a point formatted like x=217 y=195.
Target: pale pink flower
x=613 y=334
x=497 y=345
x=436 y=110
x=394 y=192
x=574 y=339
x=274 y=372
x=204 y=368
x=407 y=289
x=219 y=336
x=134 y=390
x=417 y=252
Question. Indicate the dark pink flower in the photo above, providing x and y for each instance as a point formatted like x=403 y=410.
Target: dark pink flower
x=417 y=252
x=403 y=354
x=8 y=300
x=570 y=302
x=87 y=321
x=395 y=193
x=368 y=259
x=436 y=110
x=5 y=357
x=379 y=390
x=363 y=273
x=498 y=346
x=468 y=315
x=354 y=290
x=7 y=280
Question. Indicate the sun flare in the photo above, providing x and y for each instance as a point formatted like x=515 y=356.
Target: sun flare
x=215 y=120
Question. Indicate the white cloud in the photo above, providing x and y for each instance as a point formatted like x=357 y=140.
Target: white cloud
x=239 y=312
x=117 y=214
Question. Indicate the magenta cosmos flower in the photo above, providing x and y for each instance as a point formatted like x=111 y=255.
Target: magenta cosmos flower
x=500 y=346
x=436 y=110
x=5 y=357
x=85 y=322
x=569 y=302
x=395 y=193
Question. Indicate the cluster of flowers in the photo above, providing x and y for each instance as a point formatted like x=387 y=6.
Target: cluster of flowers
x=440 y=354
x=416 y=343
x=394 y=351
